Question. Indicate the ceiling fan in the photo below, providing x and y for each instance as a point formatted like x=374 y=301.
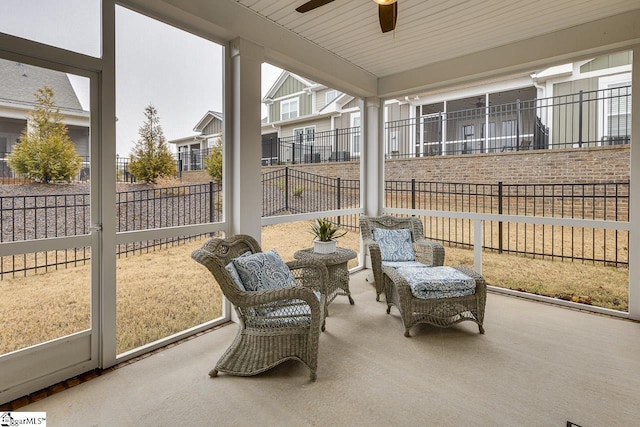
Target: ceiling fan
x=387 y=11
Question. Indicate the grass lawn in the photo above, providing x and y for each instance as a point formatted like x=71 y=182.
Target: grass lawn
x=164 y=292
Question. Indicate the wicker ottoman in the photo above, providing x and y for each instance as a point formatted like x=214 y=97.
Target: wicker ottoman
x=442 y=312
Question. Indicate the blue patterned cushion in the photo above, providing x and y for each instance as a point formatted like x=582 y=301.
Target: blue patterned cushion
x=399 y=264
x=263 y=270
x=395 y=245
x=234 y=275
x=438 y=282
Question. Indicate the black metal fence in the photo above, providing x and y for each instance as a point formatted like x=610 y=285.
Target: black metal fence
x=45 y=216
x=583 y=119
x=337 y=145
x=293 y=191
x=595 y=201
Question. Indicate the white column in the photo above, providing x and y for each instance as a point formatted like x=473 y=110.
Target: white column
x=105 y=105
x=372 y=165
x=243 y=154
x=634 y=202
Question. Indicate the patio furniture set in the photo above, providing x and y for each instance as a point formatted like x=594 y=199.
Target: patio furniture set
x=282 y=306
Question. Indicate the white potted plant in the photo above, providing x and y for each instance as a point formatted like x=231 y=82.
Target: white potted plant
x=325 y=233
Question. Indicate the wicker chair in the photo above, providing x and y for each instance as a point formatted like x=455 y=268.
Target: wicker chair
x=428 y=252
x=442 y=312
x=275 y=324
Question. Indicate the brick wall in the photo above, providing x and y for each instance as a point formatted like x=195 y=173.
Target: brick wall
x=584 y=165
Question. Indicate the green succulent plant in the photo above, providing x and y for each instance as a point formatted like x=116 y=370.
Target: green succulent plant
x=325 y=230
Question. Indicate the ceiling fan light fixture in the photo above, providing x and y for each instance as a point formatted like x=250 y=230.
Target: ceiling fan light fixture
x=384 y=2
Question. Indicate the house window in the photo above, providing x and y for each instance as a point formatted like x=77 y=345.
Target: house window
x=393 y=142
x=355 y=134
x=618 y=110
x=330 y=96
x=468 y=132
x=289 y=109
x=309 y=133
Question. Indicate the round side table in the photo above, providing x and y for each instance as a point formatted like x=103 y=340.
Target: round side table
x=336 y=264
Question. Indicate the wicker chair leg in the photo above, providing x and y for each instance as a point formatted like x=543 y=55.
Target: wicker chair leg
x=481 y=328
x=313 y=376
x=377 y=297
x=406 y=333
x=213 y=373
x=388 y=308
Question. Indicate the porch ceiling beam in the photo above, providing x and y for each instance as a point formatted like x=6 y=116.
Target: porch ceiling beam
x=570 y=44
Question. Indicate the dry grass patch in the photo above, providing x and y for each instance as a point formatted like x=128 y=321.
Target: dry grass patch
x=163 y=292
x=591 y=284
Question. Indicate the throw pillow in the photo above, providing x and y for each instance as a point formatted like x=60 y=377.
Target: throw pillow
x=395 y=245
x=235 y=276
x=263 y=270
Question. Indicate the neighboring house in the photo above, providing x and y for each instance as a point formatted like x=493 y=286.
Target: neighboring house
x=192 y=150
x=309 y=122
x=19 y=84
x=581 y=104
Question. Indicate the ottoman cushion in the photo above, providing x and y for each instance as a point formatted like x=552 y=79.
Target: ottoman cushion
x=437 y=282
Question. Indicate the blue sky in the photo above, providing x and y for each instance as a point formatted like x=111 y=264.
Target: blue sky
x=180 y=74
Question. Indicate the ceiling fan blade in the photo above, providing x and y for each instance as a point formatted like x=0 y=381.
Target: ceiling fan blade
x=388 y=15
x=310 y=5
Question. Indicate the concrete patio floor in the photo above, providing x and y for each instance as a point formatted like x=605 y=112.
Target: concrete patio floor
x=537 y=364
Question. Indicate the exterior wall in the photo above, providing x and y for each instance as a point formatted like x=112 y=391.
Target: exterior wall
x=289 y=86
x=323 y=124
x=321 y=99
x=304 y=106
x=567 y=122
x=586 y=165
x=351 y=104
x=212 y=128
x=608 y=61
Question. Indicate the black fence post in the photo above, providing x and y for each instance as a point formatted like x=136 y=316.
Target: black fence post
x=580 y=119
x=518 y=120
x=413 y=193
x=335 y=150
x=500 y=213
x=286 y=188
x=211 y=202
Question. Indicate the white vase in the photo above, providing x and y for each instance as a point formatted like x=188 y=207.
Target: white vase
x=320 y=247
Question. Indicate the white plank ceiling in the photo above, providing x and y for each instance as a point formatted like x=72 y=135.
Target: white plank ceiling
x=429 y=31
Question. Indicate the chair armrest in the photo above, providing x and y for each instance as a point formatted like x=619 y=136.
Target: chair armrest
x=376 y=261
x=429 y=252
x=310 y=273
x=266 y=296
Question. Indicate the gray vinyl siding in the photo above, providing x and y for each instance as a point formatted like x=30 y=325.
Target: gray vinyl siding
x=352 y=104
x=607 y=61
x=321 y=125
x=343 y=121
x=321 y=98
x=403 y=139
x=304 y=107
x=289 y=86
x=215 y=126
x=565 y=121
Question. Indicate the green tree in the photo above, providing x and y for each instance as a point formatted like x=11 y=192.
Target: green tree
x=151 y=157
x=213 y=162
x=45 y=152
